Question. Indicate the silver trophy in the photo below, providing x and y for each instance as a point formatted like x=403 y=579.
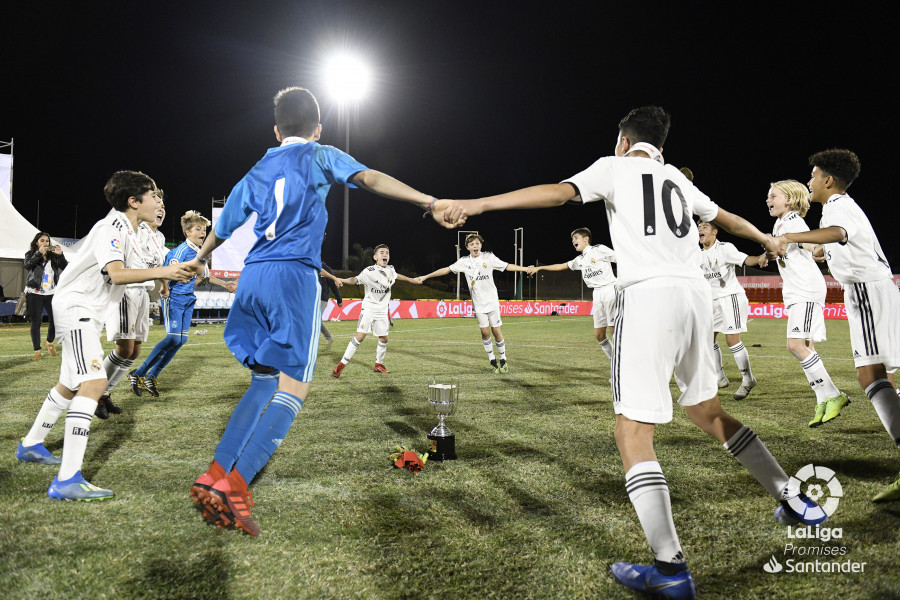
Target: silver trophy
x=442 y=397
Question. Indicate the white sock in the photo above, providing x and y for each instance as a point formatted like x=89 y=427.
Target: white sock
x=819 y=379
x=887 y=405
x=607 y=348
x=380 y=351
x=350 y=351
x=115 y=367
x=489 y=348
x=742 y=358
x=54 y=405
x=78 y=428
x=649 y=494
x=718 y=352
x=749 y=450
x=501 y=350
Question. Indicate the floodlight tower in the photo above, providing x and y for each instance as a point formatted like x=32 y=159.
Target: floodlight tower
x=347 y=79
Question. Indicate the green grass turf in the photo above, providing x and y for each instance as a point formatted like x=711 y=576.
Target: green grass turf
x=535 y=506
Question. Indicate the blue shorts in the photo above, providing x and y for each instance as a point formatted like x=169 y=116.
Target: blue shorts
x=177 y=312
x=275 y=318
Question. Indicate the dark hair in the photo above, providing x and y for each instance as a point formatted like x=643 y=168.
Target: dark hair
x=646 y=124
x=584 y=232
x=379 y=246
x=841 y=164
x=125 y=184
x=39 y=235
x=296 y=112
x=474 y=236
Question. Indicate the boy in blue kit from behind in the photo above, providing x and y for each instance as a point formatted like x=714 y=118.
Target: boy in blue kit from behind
x=272 y=333
x=178 y=308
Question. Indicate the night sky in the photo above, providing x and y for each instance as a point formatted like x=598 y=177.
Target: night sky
x=469 y=99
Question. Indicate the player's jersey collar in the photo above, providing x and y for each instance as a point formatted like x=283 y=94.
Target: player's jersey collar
x=650 y=149
x=192 y=245
x=294 y=139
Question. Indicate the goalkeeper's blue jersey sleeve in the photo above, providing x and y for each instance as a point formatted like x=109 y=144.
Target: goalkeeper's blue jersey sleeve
x=287 y=190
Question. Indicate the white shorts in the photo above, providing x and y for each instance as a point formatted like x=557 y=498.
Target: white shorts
x=806 y=321
x=873 y=312
x=130 y=319
x=371 y=322
x=730 y=314
x=489 y=319
x=676 y=315
x=604 y=308
x=82 y=353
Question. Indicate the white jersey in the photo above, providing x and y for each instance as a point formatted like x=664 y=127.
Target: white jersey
x=802 y=279
x=479 y=272
x=718 y=262
x=649 y=208
x=595 y=264
x=151 y=253
x=85 y=289
x=377 y=281
x=860 y=259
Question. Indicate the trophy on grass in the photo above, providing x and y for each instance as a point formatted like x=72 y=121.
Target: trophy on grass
x=442 y=398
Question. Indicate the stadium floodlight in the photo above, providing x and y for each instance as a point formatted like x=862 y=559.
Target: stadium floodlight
x=347 y=80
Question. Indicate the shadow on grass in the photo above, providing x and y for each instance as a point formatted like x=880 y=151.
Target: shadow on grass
x=115 y=430
x=195 y=576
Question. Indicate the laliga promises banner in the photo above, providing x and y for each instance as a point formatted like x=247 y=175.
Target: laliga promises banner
x=446 y=309
x=439 y=309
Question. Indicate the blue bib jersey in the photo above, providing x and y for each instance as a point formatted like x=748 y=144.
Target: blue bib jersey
x=177 y=311
x=275 y=318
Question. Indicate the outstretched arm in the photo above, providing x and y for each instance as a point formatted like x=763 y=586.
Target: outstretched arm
x=557 y=267
x=119 y=275
x=408 y=279
x=757 y=261
x=538 y=196
x=333 y=282
x=385 y=185
x=231 y=286
x=512 y=267
x=438 y=273
x=740 y=226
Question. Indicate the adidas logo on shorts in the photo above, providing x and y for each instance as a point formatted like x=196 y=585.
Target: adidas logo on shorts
x=795 y=330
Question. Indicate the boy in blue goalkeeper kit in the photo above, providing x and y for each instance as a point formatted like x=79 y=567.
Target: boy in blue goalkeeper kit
x=178 y=309
x=271 y=332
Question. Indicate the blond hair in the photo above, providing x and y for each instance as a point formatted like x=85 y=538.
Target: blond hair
x=192 y=218
x=796 y=193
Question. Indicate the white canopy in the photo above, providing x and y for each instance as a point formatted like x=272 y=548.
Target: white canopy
x=16 y=232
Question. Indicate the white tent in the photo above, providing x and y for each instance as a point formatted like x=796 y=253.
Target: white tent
x=16 y=233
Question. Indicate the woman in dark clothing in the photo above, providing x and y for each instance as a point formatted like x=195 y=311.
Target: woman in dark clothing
x=43 y=263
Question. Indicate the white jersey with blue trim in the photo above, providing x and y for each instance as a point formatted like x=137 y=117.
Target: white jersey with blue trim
x=718 y=263
x=287 y=190
x=595 y=264
x=84 y=288
x=479 y=272
x=378 y=281
x=648 y=207
x=860 y=258
x=802 y=281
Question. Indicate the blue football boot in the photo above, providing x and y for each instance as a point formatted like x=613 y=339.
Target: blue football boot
x=36 y=453
x=77 y=488
x=650 y=580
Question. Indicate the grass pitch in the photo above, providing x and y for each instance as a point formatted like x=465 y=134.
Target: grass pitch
x=535 y=507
